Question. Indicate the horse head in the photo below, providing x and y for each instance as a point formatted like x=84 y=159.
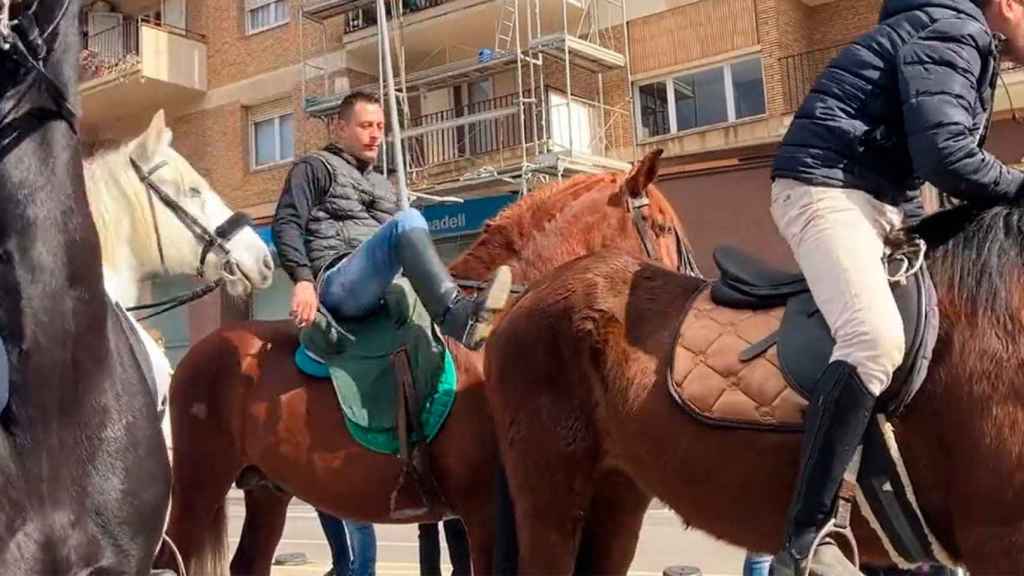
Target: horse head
x=658 y=227
x=193 y=229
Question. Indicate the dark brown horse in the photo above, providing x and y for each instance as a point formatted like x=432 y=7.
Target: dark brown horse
x=588 y=430
x=238 y=401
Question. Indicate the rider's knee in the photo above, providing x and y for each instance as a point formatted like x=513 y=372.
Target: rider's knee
x=876 y=350
x=410 y=219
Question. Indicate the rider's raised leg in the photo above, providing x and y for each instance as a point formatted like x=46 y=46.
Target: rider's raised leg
x=355 y=286
x=836 y=237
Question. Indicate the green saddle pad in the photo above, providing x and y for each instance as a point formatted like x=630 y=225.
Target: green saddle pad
x=358 y=355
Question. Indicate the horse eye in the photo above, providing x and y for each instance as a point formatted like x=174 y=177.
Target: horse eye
x=195 y=192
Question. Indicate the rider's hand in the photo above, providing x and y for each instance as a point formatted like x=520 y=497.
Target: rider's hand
x=304 y=303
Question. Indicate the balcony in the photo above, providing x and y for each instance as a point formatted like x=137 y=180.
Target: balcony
x=366 y=16
x=486 y=136
x=131 y=69
x=800 y=71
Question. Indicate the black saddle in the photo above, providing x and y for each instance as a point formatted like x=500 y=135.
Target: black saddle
x=804 y=340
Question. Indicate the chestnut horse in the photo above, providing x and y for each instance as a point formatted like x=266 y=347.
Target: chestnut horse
x=594 y=413
x=237 y=400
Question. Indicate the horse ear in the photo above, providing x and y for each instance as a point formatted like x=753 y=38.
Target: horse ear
x=158 y=136
x=645 y=172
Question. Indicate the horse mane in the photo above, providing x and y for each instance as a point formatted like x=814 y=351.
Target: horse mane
x=108 y=183
x=975 y=256
x=506 y=237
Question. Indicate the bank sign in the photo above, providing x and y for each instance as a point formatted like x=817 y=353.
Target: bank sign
x=445 y=219
x=449 y=219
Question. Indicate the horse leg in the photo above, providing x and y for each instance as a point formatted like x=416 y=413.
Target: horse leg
x=613 y=526
x=265 y=513
x=549 y=514
x=481 y=543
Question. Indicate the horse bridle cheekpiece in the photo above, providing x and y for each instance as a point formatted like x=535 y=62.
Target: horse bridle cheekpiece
x=687 y=265
x=212 y=242
x=22 y=42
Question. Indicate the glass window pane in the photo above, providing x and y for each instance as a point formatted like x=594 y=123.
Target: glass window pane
x=654 y=110
x=700 y=99
x=280 y=11
x=287 y=138
x=264 y=142
x=748 y=88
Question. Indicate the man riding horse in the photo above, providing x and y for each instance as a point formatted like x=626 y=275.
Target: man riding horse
x=906 y=103
x=343 y=240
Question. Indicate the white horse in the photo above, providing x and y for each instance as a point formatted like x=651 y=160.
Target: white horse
x=153 y=213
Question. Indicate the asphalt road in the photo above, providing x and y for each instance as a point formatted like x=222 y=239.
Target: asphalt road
x=663 y=542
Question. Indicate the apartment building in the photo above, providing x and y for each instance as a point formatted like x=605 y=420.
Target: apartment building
x=701 y=102
x=497 y=97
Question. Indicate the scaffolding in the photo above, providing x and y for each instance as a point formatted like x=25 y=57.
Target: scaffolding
x=554 y=121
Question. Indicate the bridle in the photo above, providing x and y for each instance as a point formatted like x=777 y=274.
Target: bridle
x=636 y=206
x=22 y=43
x=212 y=242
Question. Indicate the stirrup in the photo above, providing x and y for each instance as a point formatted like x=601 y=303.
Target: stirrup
x=839 y=523
x=832 y=527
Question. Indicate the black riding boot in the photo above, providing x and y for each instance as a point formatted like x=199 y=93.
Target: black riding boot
x=466 y=319
x=836 y=421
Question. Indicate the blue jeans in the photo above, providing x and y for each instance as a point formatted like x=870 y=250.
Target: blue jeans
x=354 y=287
x=756 y=564
x=340 y=533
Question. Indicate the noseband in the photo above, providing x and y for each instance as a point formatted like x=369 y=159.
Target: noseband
x=22 y=43
x=211 y=242
x=687 y=264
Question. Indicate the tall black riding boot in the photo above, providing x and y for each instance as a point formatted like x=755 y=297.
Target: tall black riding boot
x=836 y=421
x=466 y=319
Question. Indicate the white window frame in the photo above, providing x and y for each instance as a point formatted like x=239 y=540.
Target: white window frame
x=251 y=5
x=255 y=117
x=730 y=98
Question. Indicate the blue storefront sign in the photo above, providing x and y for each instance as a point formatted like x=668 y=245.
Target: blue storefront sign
x=445 y=219
x=449 y=219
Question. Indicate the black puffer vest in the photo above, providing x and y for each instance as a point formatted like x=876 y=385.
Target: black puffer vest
x=358 y=203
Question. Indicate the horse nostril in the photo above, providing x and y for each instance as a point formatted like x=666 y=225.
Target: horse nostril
x=268 y=263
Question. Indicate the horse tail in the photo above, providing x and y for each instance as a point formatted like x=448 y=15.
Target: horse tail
x=506 y=545
x=211 y=551
x=204 y=390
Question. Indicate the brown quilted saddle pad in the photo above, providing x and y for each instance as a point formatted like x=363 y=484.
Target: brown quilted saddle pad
x=710 y=381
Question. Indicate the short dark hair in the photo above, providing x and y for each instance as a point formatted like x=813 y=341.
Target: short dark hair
x=348 y=104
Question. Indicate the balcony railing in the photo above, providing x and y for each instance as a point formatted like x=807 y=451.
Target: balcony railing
x=471 y=139
x=800 y=71
x=366 y=17
x=115 y=50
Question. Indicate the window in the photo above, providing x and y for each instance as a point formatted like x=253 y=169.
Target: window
x=264 y=14
x=725 y=93
x=271 y=134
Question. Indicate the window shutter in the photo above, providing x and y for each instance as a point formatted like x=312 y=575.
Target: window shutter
x=270 y=110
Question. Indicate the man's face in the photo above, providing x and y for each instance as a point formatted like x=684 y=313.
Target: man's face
x=362 y=133
x=1007 y=18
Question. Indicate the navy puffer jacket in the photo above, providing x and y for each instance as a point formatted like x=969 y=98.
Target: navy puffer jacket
x=905 y=103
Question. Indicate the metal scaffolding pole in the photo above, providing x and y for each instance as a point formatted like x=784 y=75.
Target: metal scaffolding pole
x=396 y=129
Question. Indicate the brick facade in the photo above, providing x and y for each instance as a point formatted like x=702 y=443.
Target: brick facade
x=214 y=135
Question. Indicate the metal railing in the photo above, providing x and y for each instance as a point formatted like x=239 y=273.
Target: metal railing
x=116 y=49
x=467 y=140
x=366 y=17
x=800 y=71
